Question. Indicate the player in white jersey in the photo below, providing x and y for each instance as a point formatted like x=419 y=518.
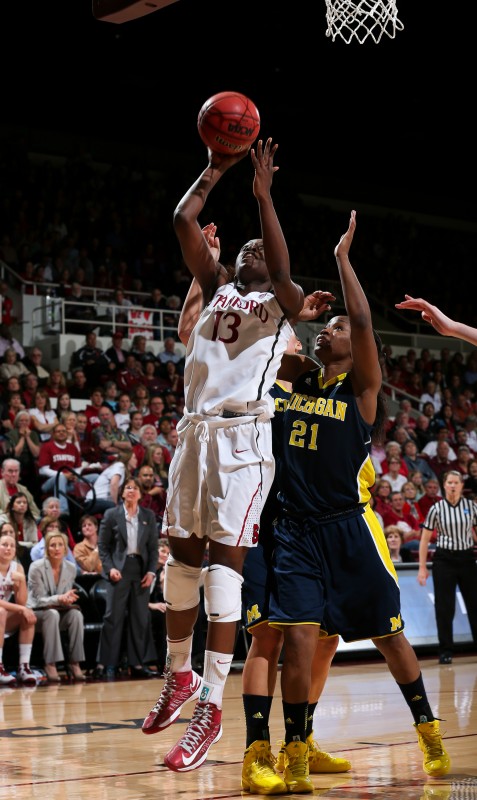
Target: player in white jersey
x=223 y=466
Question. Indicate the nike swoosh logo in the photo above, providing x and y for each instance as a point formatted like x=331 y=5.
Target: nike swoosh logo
x=243 y=451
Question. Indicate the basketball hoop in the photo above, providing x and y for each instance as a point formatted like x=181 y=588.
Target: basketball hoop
x=359 y=20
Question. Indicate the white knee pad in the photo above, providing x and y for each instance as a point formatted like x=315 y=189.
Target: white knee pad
x=223 y=594
x=181 y=585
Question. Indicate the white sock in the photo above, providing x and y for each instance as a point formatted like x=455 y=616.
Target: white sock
x=216 y=669
x=25 y=653
x=179 y=654
x=1 y=655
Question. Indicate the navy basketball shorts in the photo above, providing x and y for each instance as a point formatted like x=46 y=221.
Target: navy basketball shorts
x=336 y=573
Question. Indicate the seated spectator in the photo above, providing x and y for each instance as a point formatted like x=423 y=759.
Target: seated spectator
x=140 y=398
x=422 y=433
x=130 y=374
x=15 y=615
x=464 y=457
x=34 y=364
x=14 y=405
x=171 y=317
x=8 y=340
x=151 y=379
x=88 y=450
x=153 y=496
x=382 y=496
x=5 y=421
x=414 y=461
x=431 y=394
x=445 y=419
x=147 y=436
x=430 y=450
x=395 y=540
x=155 y=459
x=431 y=495
x=393 y=474
x=470 y=426
x=462 y=437
x=116 y=353
x=107 y=487
x=122 y=415
x=409 y=492
x=470 y=489
x=109 y=440
x=170 y=353
x=18 y=514
x=80 y=312
x=12 y=366
x=156 y=413
x=461 y=408
x=111 y=393
x=23 y=444
x=394 y=449
x=69 y=420
x=78 y=386
x=117 y=312
x=171 y=379
x=30 y=385
x=86 y=552
x=52 y=595
x=42 y=417
x=63 y=403
x=51 y=520
x=406 y=522
x=157 y=302
x=56 y=461
x=10 y=486
x=172 y=440
x=93 y=408
x=135 y=427
x=141 y=352
x=441 y=462
x=55 y=384
x=92 y=360
x=171 y=407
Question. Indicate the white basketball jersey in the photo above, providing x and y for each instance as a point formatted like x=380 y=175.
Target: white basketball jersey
x=234 y=353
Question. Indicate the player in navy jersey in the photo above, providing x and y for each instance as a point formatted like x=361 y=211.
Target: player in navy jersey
x=333 y=571
x=223 y=465
x=453 y=565
x=260 y=669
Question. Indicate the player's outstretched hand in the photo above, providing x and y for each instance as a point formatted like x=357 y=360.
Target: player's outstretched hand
x=314 y=305
x=429 y=313
x=344 y=244
x=212 y=240
x=262 y=160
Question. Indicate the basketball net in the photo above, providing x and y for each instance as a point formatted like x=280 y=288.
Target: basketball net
x=362 y=19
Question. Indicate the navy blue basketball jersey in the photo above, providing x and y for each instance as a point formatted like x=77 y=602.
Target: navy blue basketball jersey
x=320 y=416
x=281 y=397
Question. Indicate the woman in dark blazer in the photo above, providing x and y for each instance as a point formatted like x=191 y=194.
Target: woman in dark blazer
x=128 y=545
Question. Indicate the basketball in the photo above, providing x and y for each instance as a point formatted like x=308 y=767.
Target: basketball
x=228 y=123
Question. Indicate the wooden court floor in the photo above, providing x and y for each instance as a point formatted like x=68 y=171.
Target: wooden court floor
x=84 y=742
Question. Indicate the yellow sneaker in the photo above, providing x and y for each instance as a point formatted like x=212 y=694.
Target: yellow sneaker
x=322 y=762
x=319 y=761
x=258 y=773
x=436 y=759
x=297 y=772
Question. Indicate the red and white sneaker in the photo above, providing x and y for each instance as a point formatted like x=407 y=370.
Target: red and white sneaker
x=204 y=729
x=25 y=675
x=179 y=688
x=5 y=678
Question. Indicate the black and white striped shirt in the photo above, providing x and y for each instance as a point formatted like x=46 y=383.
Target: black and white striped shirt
x=453 y=523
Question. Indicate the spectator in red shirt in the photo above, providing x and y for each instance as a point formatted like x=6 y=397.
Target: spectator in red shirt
x=431 y=495
x=57 y=455
x=92 y=410
x=405 y=521
x=156 y=407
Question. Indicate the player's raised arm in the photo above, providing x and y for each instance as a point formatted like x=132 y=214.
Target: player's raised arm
x=439 y=321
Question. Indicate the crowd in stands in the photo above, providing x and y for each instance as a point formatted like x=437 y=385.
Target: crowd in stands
x=80 y=229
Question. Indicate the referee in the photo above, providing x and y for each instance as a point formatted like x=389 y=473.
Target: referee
x=454 y=563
